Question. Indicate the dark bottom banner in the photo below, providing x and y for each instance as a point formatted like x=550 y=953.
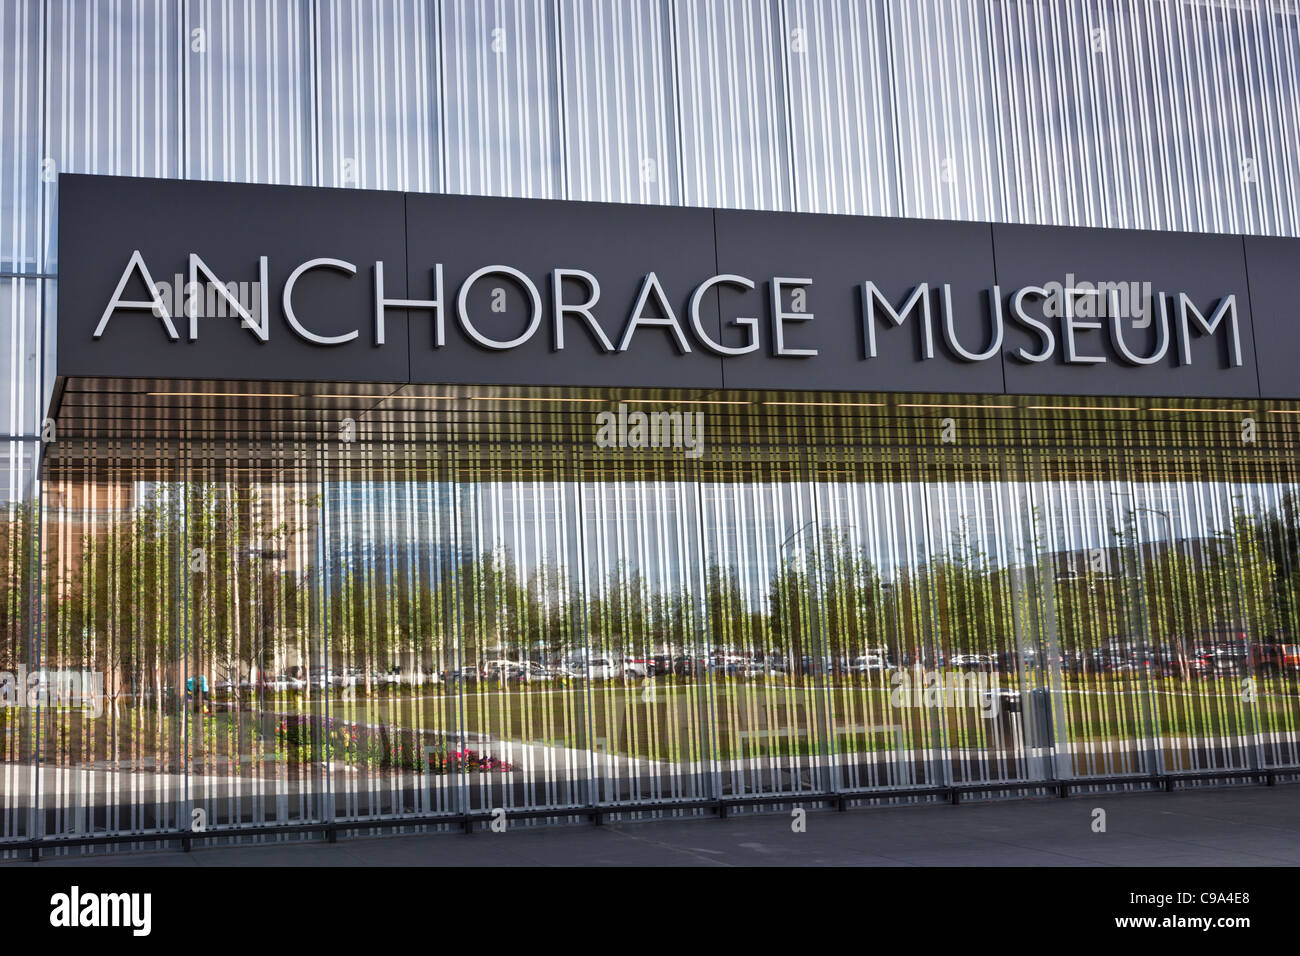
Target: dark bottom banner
x=212 y=904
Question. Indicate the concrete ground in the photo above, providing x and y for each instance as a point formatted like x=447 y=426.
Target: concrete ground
x=1255 y=826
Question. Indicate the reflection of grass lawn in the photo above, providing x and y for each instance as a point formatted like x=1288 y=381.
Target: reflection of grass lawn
x=757 y=721
x=667 y=719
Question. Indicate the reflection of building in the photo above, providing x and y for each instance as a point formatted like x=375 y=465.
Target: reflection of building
x=1115 y=558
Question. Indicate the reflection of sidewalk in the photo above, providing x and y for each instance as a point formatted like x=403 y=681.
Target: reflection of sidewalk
x=534 y=761
x=280 y=791
x=1230 y=827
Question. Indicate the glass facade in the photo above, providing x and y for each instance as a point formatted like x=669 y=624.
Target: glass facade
x=478 y=602
x=472 y=605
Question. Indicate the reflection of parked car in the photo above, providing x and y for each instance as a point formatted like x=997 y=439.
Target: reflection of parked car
x=685 y=666
x=1228 y=660
x=596 y=668
x=320 y=677
x=1275 y=658
x=283 y=682
x=1187 y=665
x=519 y=672
x=397 y=675
x=225 y=687
x=532 y=672
x=868 y=664
x=732 y=665
x=497 y=670
x=972 y=662
x=812 y=666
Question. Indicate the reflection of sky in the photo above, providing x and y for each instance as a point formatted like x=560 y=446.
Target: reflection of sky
x=513 y=99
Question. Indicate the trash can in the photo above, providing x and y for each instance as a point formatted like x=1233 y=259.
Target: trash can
x=1002 y=706
x=1038 y=719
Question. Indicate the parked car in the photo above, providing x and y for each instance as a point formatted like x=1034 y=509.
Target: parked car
x=733 y=665
x=811 y=666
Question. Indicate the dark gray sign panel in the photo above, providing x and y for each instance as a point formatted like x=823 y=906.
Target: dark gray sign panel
x=349 y=285
x=1274 y=271
x=117 y=234
x=1125 y=312
x=825 y=305
x=509 y=327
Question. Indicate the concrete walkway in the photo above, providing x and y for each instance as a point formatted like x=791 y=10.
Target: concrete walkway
x=1255 y=826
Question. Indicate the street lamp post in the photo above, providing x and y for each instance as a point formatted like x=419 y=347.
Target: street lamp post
x=1148 y=702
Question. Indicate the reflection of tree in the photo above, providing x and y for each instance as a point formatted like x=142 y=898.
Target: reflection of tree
x=176 y=563
x=1089 y=608
x=17 y=570
x=619 y=609
x=502 y=611
x=114 y=601
x=1243 y=577
x=793 y=605
x=724 y=606
x=836 y=591
x=852 y=596
x=970 y=597
x=1185 y=598
x=244 y=600
x=120 y=596
x=1279 y=536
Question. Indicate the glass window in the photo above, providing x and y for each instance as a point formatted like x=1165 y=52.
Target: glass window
x=501 y=96
x=380 y=108
x=620 y=118
x=248 y=91
x=735 y=149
